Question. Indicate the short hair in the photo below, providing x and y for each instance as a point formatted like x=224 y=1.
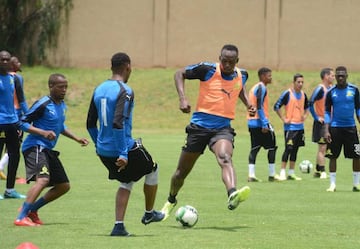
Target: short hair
x=325 y=71
x=53 y=78
x=119 y=60
x=263 y=71
x=298 y=75
x=341 y=68
x=230 y=47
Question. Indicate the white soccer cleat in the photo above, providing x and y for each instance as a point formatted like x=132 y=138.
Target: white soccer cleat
x=323 y=175
x=332 y=188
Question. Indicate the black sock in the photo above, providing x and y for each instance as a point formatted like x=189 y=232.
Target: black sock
x=230 y=191
x=321 y=168
x=172 y=198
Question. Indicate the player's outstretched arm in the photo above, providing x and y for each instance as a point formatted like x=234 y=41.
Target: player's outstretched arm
x=69 y=134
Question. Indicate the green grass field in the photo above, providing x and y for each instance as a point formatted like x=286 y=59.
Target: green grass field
x=277 y=215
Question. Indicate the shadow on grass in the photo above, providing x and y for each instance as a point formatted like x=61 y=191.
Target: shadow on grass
x=130 y=236
x=220 y=228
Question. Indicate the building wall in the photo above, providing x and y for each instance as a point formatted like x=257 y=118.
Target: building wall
x=281 y=34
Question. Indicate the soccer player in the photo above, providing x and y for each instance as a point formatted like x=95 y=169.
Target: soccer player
x=295 y=103
x=45 y=121
x=221 y=84
x=125 y=158
x=261 y=132
x=9 y=124
x=341 y=102
x=20 y=107
x=317 y=110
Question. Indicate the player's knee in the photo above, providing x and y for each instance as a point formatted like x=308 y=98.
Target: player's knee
x=43 y=181
x=127 y=186
x=152 y=178
x=66 y=187
x=224 y=158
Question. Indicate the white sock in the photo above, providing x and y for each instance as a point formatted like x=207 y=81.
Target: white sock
x=291 y=171
x=271 y=169
x=356 y=178
x=251 y=170
x=332 y=178
x=4 y=161
x=282 y=173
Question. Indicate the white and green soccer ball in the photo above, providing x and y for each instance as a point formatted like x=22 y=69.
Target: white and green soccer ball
x=187 y=216
x=305 y=166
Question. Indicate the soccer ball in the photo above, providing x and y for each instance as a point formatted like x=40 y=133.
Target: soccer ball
x=305 y=166
x=187 y=216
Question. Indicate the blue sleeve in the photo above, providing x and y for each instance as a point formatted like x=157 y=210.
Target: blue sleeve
x=24 y=107
x=260 y=94
x=201 y=71
x=244 y=75
x=316 y=95
x=283 y=100
x=35 y=112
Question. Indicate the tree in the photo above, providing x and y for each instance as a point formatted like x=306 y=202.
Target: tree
x=29 y=27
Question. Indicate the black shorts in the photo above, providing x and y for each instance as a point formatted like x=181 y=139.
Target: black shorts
x=41 y=162
x=294 y=139
x=260 y=139
x=140 y=163
x=346 y=137
x=198 y=137
x=318 y=133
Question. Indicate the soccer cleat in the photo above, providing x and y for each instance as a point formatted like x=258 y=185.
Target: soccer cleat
x=323 y=175
x=282 y=178
x=2 y=175
x=254 y=179
x=356 y=189
x=167 y=208
x=274 y=178
x=1 y=197
x=35 y=218
x=25 y=222
x=294 y=177
x=119 y=231
x=238 y=196
x=317 y=174
x=332 y=188
x=154 y=216
x=14 y=195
